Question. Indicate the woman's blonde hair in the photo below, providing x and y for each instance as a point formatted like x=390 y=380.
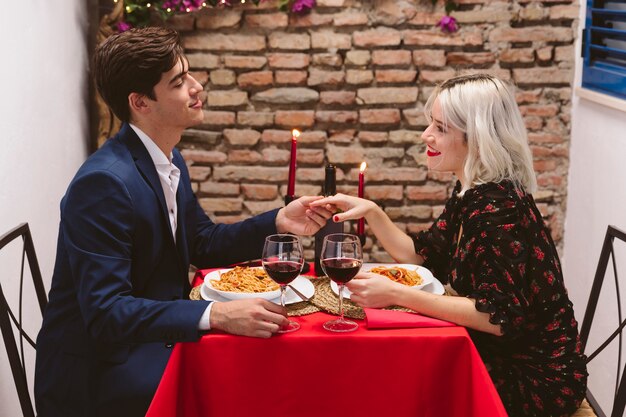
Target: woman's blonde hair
x=484 y=108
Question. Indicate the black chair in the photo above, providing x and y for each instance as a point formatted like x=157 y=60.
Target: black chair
x=16 y=358
x=607 y=253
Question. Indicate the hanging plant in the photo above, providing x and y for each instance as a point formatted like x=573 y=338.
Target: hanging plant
x=448 y=23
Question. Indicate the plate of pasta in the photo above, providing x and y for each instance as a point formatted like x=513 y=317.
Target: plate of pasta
x=414 y=276
x=244 y=282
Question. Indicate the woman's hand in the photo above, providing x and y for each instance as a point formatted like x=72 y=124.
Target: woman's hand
x=373 y=290
x=350 y=207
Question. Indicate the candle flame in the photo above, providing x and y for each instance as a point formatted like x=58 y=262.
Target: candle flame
x=295 y=133
x=363 y=166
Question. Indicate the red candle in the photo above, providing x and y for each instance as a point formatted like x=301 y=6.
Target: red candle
x=361 y=225
x=291 y=184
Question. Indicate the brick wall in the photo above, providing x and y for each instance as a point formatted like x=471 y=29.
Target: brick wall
x=354 y=76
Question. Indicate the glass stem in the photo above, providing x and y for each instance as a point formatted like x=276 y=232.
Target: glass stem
x=340 y=302
x=282 y=295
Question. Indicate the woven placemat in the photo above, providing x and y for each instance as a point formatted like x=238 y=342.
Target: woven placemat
x=326 y=299
x=295 y=309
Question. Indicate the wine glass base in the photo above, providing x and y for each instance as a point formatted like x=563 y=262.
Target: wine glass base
x=292 y=326
x=341 y=326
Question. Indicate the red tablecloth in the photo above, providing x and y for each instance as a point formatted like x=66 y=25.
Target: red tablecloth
x=311 y=372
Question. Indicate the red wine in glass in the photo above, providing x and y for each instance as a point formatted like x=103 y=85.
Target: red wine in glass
x=341 y=270
x=341 y=260
x=283 y=272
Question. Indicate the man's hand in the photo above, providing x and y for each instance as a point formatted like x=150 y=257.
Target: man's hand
x=299 y=218
x=254 y=317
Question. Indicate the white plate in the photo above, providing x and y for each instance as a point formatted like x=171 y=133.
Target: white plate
x=232 y=295
x=300 y=283
x=429 y=282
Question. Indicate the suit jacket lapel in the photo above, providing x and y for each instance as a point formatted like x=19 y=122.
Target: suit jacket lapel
x=146 y=167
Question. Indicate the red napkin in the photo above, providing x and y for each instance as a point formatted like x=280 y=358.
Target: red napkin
x=391 y=319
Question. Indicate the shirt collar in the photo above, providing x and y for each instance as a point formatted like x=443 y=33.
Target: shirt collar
x=157 y=155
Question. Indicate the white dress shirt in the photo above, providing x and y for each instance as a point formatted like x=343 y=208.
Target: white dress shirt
x=169 y=174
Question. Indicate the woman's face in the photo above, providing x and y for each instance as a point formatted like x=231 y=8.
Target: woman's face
x=446 y=148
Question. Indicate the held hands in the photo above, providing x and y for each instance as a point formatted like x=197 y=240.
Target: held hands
x=300 y=217
x=351 y=207
x=373 y=291
x=254 y=317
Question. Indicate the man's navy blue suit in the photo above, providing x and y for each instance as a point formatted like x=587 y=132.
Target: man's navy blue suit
x=118 y=297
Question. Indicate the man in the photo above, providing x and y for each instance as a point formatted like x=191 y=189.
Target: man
x=130 y=227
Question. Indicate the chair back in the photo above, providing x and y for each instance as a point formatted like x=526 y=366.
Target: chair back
x=7 y=315
x=607 y=254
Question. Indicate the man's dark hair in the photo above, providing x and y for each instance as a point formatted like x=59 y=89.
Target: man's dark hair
x=133 y=62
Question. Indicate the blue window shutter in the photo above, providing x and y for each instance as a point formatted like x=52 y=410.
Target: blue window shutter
x=604 y=47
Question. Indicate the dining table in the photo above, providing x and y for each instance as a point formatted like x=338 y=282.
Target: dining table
x=397 y=371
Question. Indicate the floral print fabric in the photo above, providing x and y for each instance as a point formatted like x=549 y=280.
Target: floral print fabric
x=507 y=262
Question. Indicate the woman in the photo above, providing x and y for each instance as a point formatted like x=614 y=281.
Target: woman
x=490 y=246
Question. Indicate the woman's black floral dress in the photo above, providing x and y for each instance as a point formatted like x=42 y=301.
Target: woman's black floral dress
x=507 y=262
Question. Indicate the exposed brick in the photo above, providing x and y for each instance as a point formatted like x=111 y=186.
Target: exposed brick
x=255 y=119
x=267 y=20
x=518 y=55
x=259 y=191
x=242 y=137
x=313 y=137
x=331 y=3
x=430 y=38
x=310 y=156
x=235 y=173
x=203 y=61
x=327 y=60
x=566 y=12
x=203 y=157
x=244 y=156
x=341 y=155
x=533 y=12
x=427 y=19
x=342 y=98
x=391 y=58
x=199 y=173
x=429 y=58
x=245 y=62
x=287 y=96
x=373 y=137
x=434 y=77
x=381 y=154
x=219 y=188
x=258 y=207
x=415 y=117
x=223 y=42
x=544 y=165
x=201 y=76
x=383 y=192
x=427 y=192
x=289 y=41
x=291 y=77
x=545 y=54
x=336 y=116
x=227 y=98
x=275 y=136
x=379 y=116
x=342 y=136
x=218 y=19
x=357 y=76
x=470 y=58
x=321 y=77
x=295 y=118
x=311 y=19
x=221 y=205
x=182 y=22
x=404 y=136
x=381 y=36
x=288 y=60
x=499 y=12
x=395 y=76
x=223 y=77
x=276 y=156
x=528 y=34
x=330 y=40
x=255 y=79
x=533 y=123
x=410 y=212
x=542 y=110
x=201 y=136
x=544 y=138
x=564 y=53
x=528 y=96
x=387 y=95
x=358 y=58
x=218 y=118
x=350 y=17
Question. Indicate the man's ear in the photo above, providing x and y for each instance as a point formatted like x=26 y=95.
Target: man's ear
x=138 y=103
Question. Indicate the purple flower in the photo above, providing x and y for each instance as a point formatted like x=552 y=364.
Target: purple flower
x=123 y=26
x=448 y=24
x=302 y=6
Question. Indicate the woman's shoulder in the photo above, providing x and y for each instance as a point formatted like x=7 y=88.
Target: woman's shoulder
x=493 y=203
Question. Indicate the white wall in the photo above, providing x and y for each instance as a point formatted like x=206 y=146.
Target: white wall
x=43 y=137
x=596 y=198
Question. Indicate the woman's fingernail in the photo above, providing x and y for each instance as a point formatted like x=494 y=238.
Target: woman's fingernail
x=336 y=218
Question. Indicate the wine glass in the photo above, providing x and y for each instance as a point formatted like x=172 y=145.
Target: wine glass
x=283 y=259
x=341 y=260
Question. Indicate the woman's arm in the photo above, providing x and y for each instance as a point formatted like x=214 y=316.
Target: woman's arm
x=375 y=291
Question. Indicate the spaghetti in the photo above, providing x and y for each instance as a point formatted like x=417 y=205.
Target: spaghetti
x=397 y=274
x=245 y=279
